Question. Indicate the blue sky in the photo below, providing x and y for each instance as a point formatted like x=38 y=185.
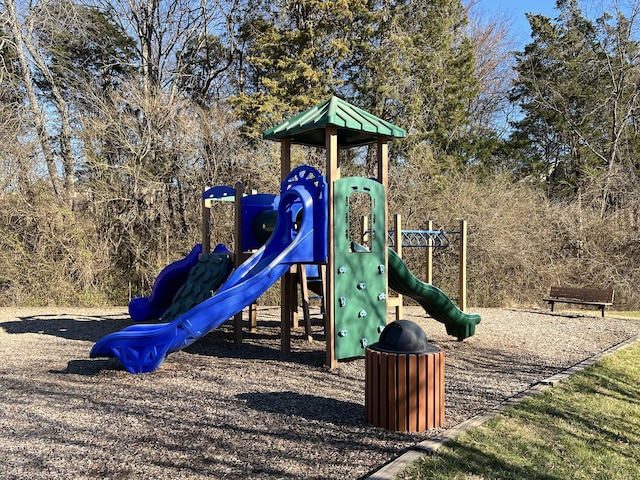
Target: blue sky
x=515 y=11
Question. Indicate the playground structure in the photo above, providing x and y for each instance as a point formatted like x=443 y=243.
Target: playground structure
x=255 y=215
x=312 y=225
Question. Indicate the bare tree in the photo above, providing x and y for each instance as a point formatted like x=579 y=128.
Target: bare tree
x=163 y=29
x=28 y=58
x=621 y=64
x=494 y=42
x=65 y=52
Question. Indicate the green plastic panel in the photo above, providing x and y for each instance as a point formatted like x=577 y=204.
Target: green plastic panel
x=360 y=279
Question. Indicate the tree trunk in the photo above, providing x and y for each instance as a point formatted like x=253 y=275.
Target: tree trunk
x=37 y=111
x=66 y=152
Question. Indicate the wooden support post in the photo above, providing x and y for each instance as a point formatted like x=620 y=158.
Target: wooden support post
x=285 y=158
x=333 y=174
x=295 y=303
x=287 y=284
x=253 y=317
x=304 y=293
x=383 y=178
x=286 y=318
x=322 y=270
x=237 y=236
x=383 y=164
x=206 y=227
x=397 y=240
x=463 y=266
x=237 y=247
x=429 y=266
x=364 y=233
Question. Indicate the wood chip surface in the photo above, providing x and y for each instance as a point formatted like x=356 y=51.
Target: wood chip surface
x=218 y=411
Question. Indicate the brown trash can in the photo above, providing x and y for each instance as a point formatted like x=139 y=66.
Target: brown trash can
x=404 y=389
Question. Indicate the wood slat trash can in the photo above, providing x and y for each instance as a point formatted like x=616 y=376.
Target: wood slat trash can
x=404 y=389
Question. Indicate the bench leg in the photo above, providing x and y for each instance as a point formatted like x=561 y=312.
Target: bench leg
x=551 y=303
x=602 y=308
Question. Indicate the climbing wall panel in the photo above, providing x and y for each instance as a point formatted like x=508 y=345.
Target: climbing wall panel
x=360 y=279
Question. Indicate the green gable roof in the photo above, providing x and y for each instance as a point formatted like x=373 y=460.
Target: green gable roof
x=355 y=126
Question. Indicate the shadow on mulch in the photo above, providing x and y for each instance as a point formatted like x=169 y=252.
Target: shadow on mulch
x=89 y=368
x=220 y=342
x=264 y=345
x=309 y=407
x=90 y=328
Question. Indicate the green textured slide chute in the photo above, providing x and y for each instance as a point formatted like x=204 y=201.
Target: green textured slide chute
x=204 y=279
x=435 y=302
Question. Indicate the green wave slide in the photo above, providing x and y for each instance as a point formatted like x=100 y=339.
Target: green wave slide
x=435 y=302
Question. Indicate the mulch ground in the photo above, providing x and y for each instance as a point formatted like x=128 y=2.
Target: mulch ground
x=218 y=411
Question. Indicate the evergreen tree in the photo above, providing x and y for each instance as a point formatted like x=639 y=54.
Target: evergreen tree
x=555 y=89
x=414 y=65
x=577 y=88
x=292 y=57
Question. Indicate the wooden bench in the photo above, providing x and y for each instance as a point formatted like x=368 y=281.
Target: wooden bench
x=584 y=296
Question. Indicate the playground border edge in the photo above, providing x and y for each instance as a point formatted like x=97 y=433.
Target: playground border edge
x=430 y=446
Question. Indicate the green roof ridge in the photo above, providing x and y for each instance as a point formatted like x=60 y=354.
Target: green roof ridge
x=355 y=126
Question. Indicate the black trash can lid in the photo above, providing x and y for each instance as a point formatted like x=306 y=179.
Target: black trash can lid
x=404 y=336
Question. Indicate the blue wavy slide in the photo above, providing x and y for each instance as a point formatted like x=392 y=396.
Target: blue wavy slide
x=142 y=348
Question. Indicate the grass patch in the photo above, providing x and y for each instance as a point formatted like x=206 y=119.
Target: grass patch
x=588 y=428
x=568 y=310
x=625 y=314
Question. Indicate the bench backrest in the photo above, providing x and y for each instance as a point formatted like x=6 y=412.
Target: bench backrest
x=585 y=294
